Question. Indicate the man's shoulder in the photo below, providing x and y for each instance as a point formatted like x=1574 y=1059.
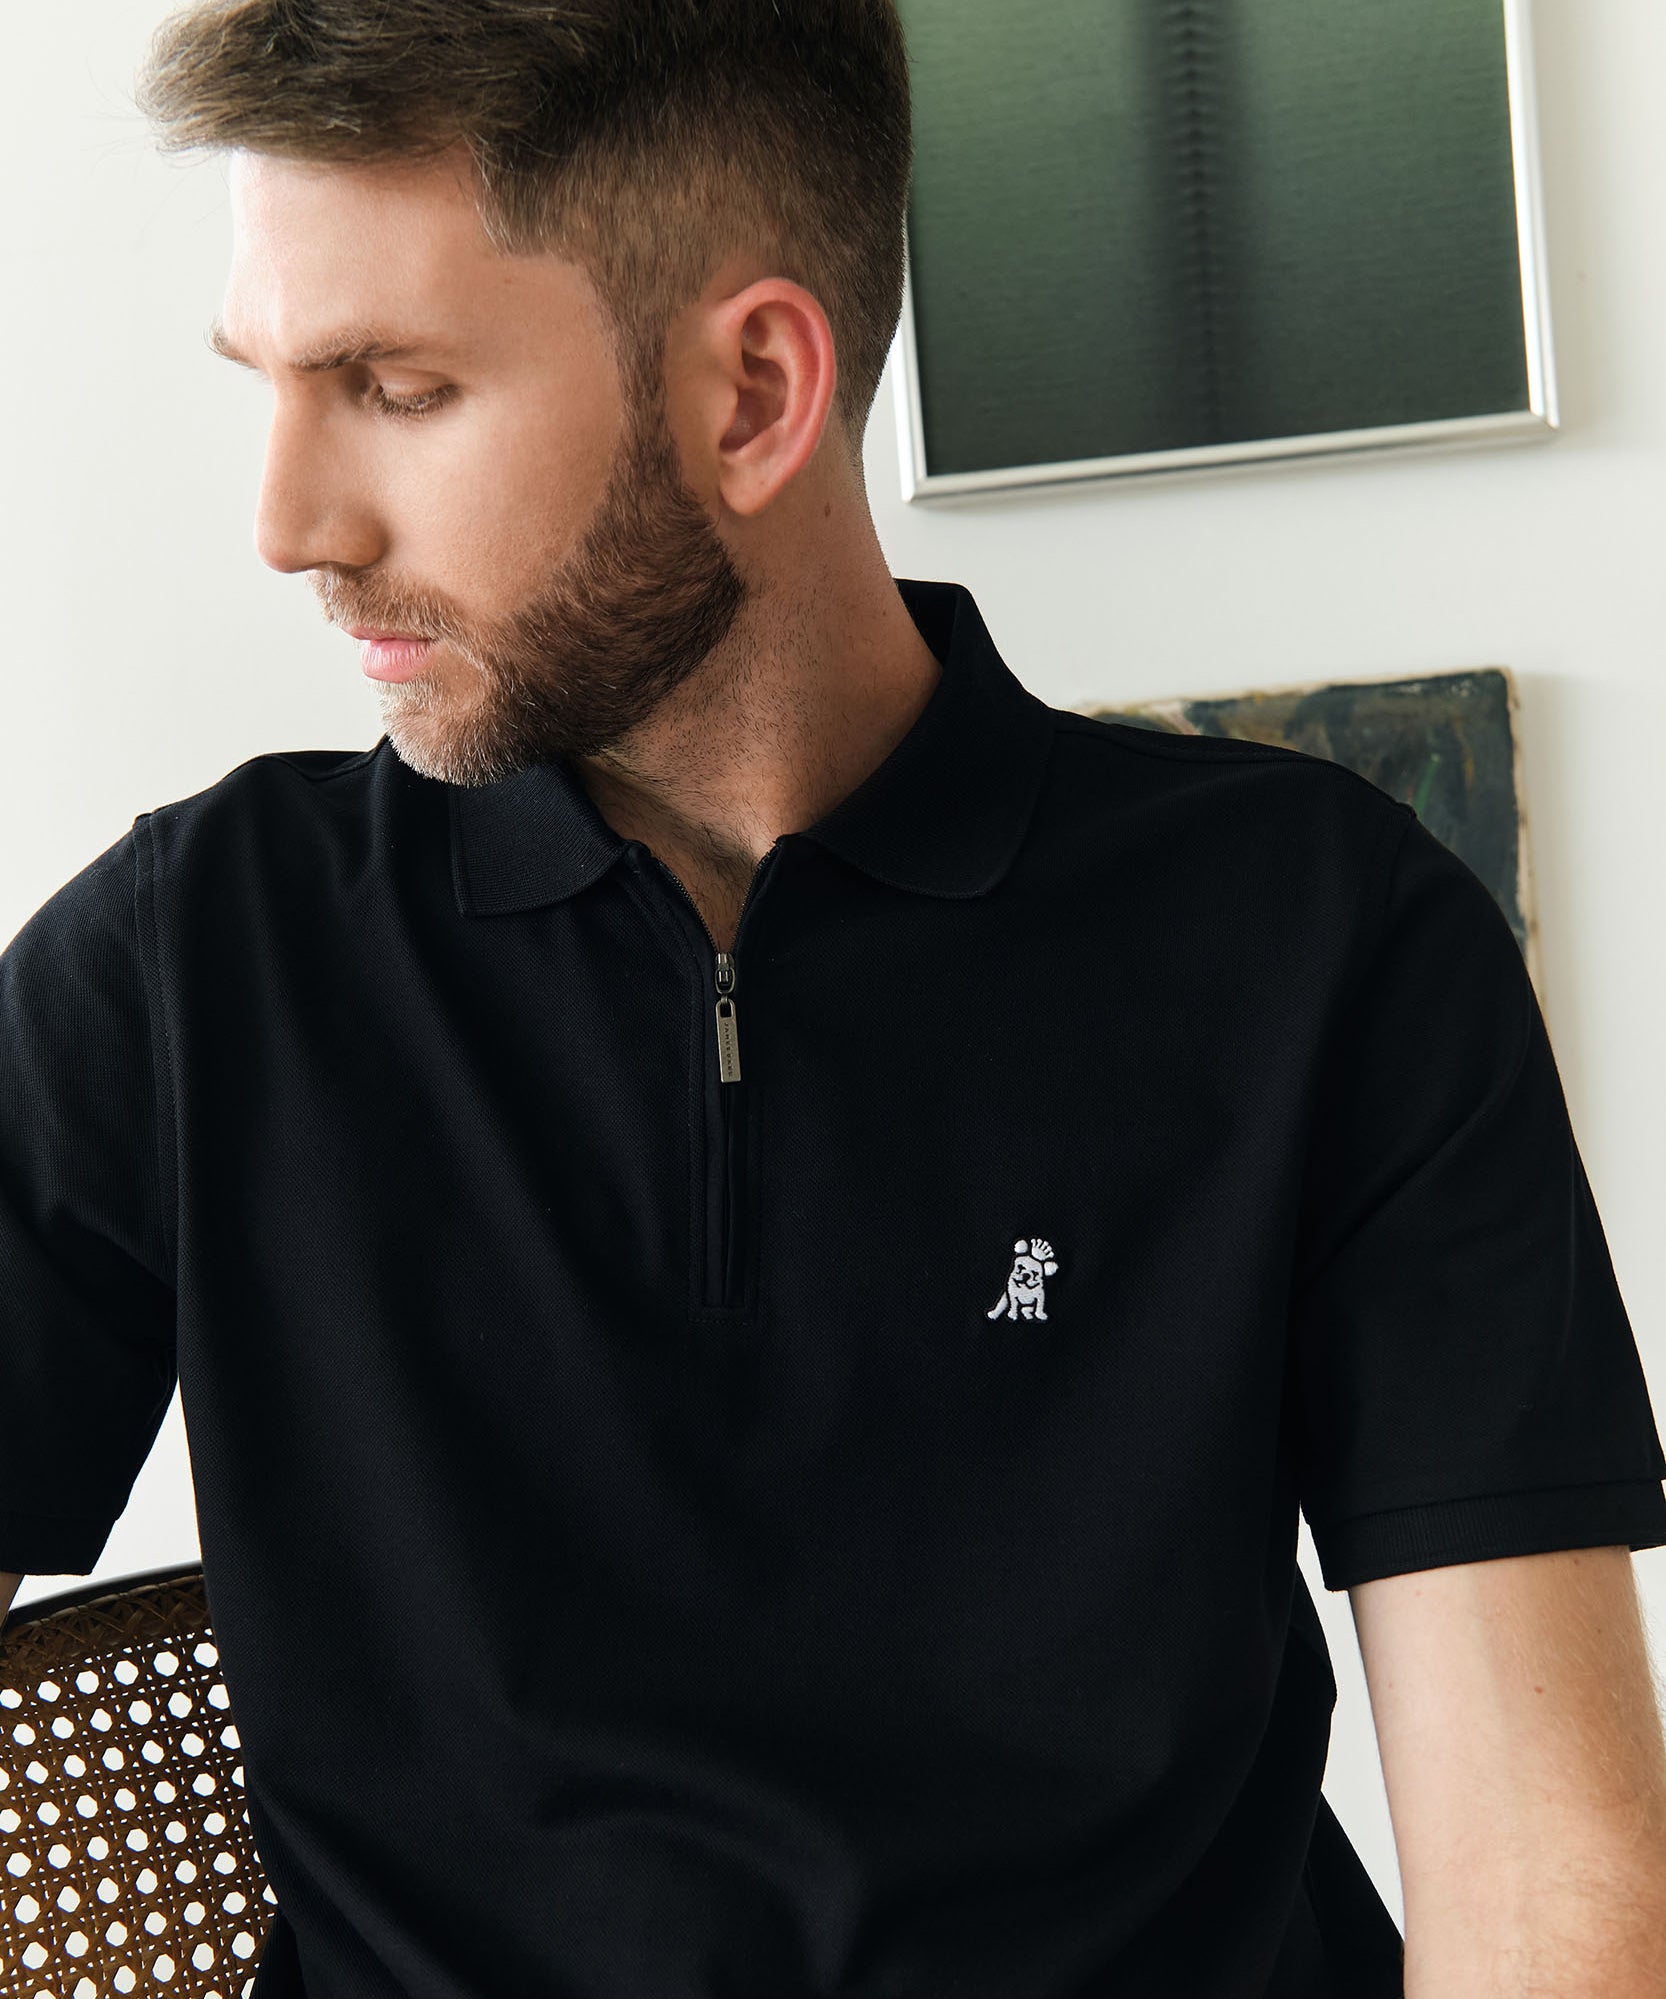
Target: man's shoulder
x=1114 y=735
x=273 y=776
x=263 y=805
x=275 y=796
x=1269 y=860
x=1218 y=787
x=283 y=828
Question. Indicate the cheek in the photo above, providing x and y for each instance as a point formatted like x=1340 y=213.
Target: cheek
x=499 y=498
x=551 y=460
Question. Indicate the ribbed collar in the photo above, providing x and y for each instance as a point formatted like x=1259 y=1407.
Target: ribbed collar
x=943 y=814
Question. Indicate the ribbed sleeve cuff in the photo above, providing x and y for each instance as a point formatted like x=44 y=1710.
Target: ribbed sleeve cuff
x=1632 y=1511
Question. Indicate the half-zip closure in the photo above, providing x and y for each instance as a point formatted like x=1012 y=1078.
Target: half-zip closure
x=724 y=1276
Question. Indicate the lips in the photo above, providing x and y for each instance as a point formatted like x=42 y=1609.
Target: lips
x=394 y=658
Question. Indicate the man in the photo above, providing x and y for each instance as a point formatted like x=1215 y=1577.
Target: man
x=761 y=1234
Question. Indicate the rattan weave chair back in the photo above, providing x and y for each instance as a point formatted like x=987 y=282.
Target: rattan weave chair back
x=127 y=1863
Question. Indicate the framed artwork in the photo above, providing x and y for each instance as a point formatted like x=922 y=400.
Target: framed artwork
x=1446 y=744
x=1151 y=236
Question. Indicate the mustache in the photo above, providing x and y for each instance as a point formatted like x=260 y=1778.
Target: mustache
x=344 y=611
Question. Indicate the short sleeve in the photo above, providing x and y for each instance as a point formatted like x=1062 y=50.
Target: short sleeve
x=1465 y=1383
x=87 y=1352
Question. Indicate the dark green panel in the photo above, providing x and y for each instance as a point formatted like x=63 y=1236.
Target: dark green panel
x=1041 y=234
x=1143 y=225
x=1370 y=271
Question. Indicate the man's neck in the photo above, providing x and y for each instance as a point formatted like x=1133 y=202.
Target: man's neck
x=786 y=719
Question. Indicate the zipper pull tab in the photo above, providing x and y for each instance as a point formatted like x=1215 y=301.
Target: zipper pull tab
x=728 y=1039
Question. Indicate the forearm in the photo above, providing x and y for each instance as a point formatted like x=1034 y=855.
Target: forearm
x=1602 y=1936
x=1523 y=1752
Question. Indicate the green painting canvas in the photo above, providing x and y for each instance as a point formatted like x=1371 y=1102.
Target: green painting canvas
x=1445 y=743
x=1216 y=227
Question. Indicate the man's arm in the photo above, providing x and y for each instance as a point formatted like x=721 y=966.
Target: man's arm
x=8 y=1589
x=1519 y=1723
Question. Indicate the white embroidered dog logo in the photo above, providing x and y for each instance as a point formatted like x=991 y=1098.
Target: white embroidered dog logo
x=1026 y=1295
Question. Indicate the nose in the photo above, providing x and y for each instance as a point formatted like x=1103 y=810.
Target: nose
x=316 y=502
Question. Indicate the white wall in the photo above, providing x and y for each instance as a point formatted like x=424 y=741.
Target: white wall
x=148 y=650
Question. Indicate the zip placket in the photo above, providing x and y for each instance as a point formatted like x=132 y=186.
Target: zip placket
x=724 y=1285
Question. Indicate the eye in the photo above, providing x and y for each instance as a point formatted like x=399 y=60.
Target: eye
x=408 y=406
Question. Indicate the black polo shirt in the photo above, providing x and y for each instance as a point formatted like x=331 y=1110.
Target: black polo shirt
x=832 y=1530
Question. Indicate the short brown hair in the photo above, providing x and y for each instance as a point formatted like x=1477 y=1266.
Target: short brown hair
x=642 y=139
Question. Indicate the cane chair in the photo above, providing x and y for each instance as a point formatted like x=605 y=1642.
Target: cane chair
x=127 y=1863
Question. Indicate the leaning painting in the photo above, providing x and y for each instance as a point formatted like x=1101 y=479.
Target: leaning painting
x=1444 y=743
x=1149 y=236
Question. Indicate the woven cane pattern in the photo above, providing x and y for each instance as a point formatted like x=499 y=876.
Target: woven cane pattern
x=127 y=1864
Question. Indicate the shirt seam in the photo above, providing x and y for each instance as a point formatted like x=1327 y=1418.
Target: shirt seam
x=1478 y=1118
x=1385 y=857
x=462 y=878
x=354 y=760
x=1328 y=1522
x=163 y=1068
x=1177 y=745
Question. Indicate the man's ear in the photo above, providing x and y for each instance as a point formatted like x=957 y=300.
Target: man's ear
x=758 y=388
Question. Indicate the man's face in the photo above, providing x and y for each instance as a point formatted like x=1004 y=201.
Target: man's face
x=534 y=527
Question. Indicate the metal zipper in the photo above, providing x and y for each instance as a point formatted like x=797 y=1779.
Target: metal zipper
x=725 y=977
x=725 y=973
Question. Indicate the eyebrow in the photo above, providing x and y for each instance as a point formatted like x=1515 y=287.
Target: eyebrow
x=336 y=350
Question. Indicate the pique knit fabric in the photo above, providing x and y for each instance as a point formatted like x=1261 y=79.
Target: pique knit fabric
x=776 y=1475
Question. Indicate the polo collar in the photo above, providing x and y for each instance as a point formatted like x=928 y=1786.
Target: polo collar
x=943 y=814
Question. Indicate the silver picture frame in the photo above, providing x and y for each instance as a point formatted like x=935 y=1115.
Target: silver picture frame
x=1539 y=419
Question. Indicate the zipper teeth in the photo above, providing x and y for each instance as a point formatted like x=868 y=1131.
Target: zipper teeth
x=751 y=889
x=671 y=877
x=726 y=1235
